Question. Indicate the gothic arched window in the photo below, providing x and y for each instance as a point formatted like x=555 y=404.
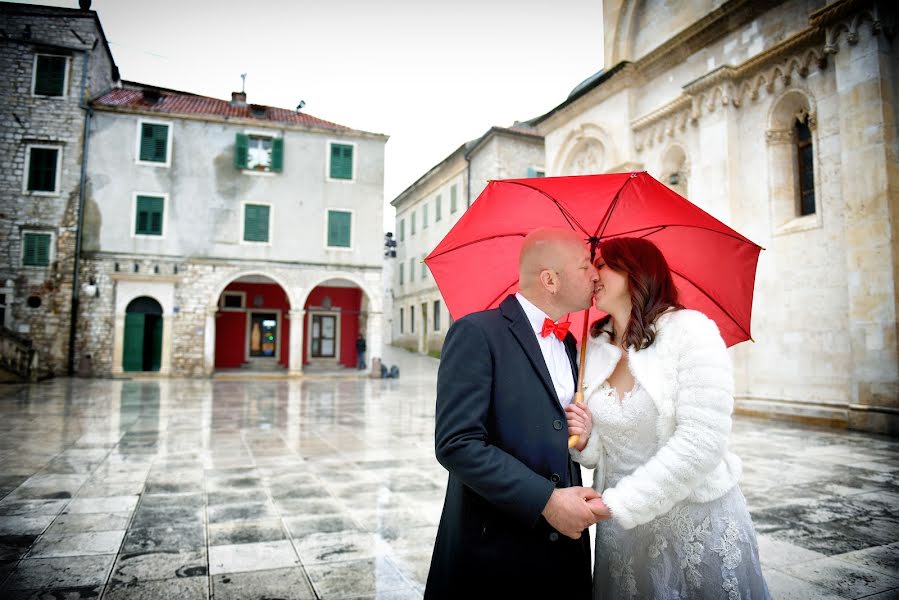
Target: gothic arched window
x=805 y=164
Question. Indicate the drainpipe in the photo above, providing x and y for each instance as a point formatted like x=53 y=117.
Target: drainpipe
x=76 y=276
x=467 y=181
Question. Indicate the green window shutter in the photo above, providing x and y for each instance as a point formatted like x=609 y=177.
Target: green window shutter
x=277 y=155
x=154 y=140
x=50 y=78
x=149 y=215
x=36 y=251
x=255 y=227
x=241 y=151
x=42 y=169
x=339 y=223
x=453 y=199
x=341 y=161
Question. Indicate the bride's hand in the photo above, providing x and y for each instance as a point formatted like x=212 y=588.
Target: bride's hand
x=580 y=423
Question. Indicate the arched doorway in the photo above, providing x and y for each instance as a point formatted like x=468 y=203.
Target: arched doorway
x=143 y=335
x=252 y=325
x=337 y=311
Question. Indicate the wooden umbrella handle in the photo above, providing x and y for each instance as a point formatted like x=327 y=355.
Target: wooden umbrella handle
x=579 y=392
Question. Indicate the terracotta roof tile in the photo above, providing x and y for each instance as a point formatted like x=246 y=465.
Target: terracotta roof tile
x=183 y=103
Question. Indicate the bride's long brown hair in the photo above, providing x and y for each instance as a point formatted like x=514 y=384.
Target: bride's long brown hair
x=649 y=284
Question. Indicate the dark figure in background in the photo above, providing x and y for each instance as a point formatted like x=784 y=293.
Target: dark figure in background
x=360 y=352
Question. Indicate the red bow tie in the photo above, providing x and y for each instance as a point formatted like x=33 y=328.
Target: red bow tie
x=559 y=329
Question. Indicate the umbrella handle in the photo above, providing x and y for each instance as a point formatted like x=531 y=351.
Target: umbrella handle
x=579 y=393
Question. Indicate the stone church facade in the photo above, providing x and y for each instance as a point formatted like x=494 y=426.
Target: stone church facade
x=779 y=118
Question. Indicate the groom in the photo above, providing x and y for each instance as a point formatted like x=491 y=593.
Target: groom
x=515 y=515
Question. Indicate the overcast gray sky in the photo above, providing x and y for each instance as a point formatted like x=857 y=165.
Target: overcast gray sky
x=431 y=74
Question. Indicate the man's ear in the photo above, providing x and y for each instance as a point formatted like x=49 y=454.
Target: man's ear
x=549 y=281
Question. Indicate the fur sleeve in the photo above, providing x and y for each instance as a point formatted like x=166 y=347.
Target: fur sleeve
x=703 y=404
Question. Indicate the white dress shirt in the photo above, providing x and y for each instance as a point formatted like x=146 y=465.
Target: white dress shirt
x=554 y=354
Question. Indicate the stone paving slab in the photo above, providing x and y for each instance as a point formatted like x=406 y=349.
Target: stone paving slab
x=312 y=488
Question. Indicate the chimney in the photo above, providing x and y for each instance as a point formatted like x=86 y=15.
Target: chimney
x=238 y=98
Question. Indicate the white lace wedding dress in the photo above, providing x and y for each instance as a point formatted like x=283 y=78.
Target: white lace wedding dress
x=694 y=551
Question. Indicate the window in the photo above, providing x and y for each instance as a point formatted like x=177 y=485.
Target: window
x=50 y=75
x=402 y=322
x=806 y=167
x=3 y=309
x=437 y=208
x=411 y=270
x=233 y=301
x=536 y=172
x=154 y=143
x=436 y=315
x=340 y=228
x=424 y=268
x=412 y=223
x=148 y=218
x=258 y=152
x=402 y=229
x=256 y=222
x=411 y=319
x=341 y=161
x=43 y=169
x=36 y=249
x=454 y=199
x=424 y=216
x=402 y=273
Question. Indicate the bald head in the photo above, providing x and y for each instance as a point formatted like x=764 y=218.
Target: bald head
x=546 y=248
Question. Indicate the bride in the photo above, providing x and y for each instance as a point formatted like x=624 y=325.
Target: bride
x=659 y=389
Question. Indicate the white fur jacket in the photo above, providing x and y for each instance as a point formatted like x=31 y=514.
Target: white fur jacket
x=688 y=373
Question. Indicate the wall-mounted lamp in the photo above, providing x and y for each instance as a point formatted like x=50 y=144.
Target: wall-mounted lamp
x=91 y=289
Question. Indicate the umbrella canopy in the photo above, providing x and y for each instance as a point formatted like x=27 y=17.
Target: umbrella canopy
x=476 y=264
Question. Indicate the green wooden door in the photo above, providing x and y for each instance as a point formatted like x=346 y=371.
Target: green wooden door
x=133 y=354
x=157 y=344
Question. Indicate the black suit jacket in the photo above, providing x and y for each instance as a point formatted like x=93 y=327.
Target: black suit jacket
x=503 y=437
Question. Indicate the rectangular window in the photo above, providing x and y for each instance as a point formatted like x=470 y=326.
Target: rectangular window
x=43 y=164
x=535 y=172
x=454 y=200
x=148 y=220
x=154 y=142
x=437 y=208
x=424 y=216
x=402 y=229
x=411 y=319
x=339 y=229
x=412 y=223
x=233 y=301
x=402 y=273
x=402 y=323
x=257 y=152
x=50 y=75
x=255 y=222
x=424 y=268
x=341 y=161
x=805 y=158
x=36 y=249
x=436 y=315
x=411 y=270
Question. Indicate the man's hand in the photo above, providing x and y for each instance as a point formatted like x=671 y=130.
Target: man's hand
x=600 y=511
x=569 y=510
x=580 y=423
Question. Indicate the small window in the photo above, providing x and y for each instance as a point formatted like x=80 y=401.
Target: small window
x=36 y=249
x=411 y=319
x=341 y=161
x=154 y=143
x=148 y=220
x=412 y=223
x=411 y=269
x=50 y=75
x=340 y=229
x=402 y=273
x=43 y=168
x=256 y=222
x=402 y=229
x=454 y=200
x=535 y=172
x=437 y=208
x=256 y=152
x=805 y=160
x=424 y=216
x=424 y=268
x=436 y=315
x=233 y=301
x=402 y=319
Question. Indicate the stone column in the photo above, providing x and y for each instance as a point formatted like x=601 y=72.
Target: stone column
x=295 y=353
x=864 y=68
x=165 y=361
x=209 y=341
x=118 y=344
x=375 y=342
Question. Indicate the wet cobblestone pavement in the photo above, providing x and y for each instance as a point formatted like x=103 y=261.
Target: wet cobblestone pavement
x=328 y=488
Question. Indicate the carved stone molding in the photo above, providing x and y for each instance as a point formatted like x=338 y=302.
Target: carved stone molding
x=780 y=136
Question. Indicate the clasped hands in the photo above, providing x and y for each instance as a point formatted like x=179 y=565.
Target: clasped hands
x=571 y=510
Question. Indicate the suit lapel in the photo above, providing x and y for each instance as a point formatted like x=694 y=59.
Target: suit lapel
x=524 y=334
x=571 y=350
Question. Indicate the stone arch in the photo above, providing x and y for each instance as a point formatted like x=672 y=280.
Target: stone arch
x=586 y=147
x=307 y=290
x=227 y=278
x=674 y=168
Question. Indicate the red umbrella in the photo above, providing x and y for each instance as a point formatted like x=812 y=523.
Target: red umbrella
x=476 y=264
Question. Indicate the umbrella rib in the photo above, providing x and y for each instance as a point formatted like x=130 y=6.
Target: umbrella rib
x=715 y=302
x=477 y=241
x=659 y=228
x=505 y=292
x=568 y=216
x=608 y=216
